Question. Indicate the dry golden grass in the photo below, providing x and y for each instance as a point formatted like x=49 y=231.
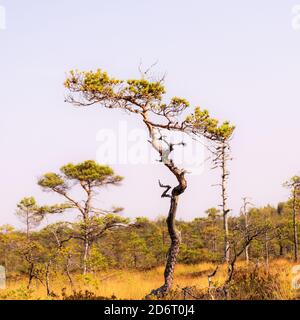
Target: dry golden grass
x=136 y=284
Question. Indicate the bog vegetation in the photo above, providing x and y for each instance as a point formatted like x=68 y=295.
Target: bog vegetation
x=100 y=254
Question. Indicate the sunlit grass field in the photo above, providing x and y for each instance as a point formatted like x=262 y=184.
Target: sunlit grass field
x=124 y=284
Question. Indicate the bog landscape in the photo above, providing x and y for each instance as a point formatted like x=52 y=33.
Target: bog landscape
x=104 y=255
x=149 y=151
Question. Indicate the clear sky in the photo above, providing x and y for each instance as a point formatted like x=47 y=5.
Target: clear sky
x=239 y=59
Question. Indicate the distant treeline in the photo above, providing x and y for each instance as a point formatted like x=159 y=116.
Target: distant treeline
x=143 y=244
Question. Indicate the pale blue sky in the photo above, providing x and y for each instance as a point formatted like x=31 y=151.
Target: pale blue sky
x=239 y=59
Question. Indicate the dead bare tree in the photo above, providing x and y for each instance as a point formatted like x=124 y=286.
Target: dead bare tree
x=240 y=239
x=245 y=213
x=221 y=154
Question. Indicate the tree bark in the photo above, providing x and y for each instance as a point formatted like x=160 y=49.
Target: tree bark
x=157 y=141
x=68 y=272
x=48 y=266
x=174 y=247
x=224 y=203
x=175 y=237
x=247 y=226
x=226 y=238
x=296 y=258
x=30 y=275
x=247 y=254
x=267 y=250
x=86 y=219
x=85 y=255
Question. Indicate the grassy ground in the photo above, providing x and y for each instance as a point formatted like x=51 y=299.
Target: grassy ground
x=136 y=284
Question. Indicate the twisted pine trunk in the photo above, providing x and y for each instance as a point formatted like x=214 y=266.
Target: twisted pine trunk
x=175 y=237
x=157 y=141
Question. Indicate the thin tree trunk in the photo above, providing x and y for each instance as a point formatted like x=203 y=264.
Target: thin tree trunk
x=30 y=275
x=296 y=258
x=226 y=238
x=48 y=278
x=85 y=256
x=27 y=226
x=295 y=225
x=86 y=219
x=267 y=250
x=175 y=244
x=224 y=204
x=246 y=215
x=214 y=244
x=247 y=254
x=68 y=272
x=246 y=225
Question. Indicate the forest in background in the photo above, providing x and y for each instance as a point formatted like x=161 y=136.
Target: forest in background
x=36 y=256
x=143 y=244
